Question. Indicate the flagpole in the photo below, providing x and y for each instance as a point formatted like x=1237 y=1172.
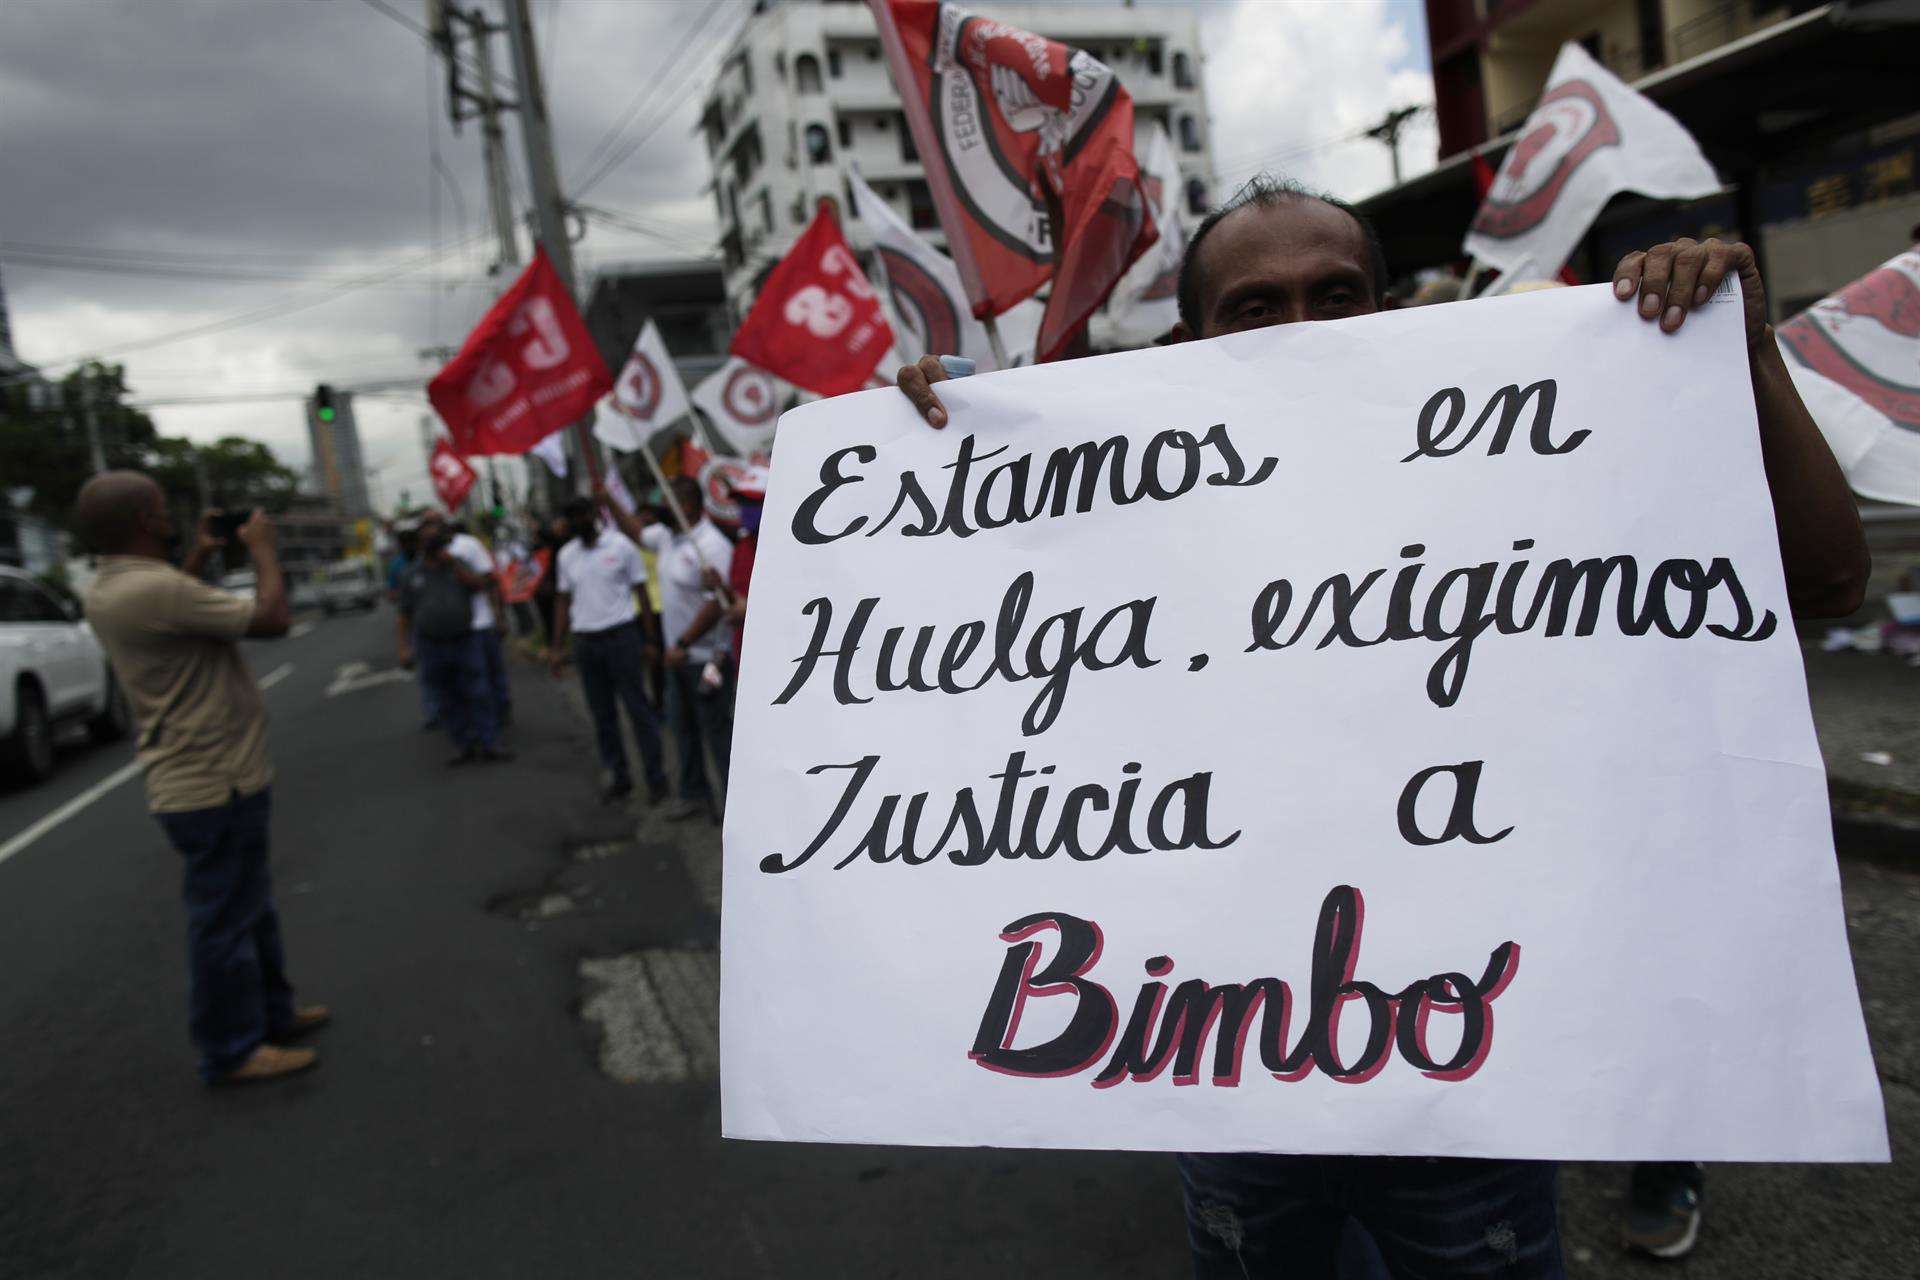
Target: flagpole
x=673 y=508
x=993 y=341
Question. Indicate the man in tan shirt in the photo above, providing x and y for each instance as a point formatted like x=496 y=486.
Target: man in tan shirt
x=173 y=642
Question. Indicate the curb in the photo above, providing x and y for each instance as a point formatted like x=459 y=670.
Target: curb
x=1876 y=824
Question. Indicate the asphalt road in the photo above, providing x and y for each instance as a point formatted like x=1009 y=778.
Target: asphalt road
x=520 y=1078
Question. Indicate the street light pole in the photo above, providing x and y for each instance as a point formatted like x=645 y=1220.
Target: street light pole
x=494 y=144
x=95 y=453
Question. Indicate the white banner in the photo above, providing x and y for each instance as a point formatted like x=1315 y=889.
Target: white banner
x=1855 y=356
x=1590 y=138
x=553 y=452
x=742 y=402
x=924 y=294
x=1073 y=738
x=648 y=394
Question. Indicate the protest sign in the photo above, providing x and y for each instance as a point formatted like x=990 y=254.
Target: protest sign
x=1376 y=736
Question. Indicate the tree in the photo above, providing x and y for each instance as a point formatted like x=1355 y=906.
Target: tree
x=43 y=447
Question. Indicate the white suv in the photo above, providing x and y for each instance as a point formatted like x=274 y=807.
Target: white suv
x=52 y=672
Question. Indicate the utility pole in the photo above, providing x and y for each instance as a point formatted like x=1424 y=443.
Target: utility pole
x=1388 y=131
x=549 y=211
x=486 y=106
x=95 y=453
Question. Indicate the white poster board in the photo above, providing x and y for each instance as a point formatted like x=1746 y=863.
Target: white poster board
x=1565 y=888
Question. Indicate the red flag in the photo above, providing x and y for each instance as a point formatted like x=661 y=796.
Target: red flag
x=528 y=369
x=452 y=478
x=1022 y=137
x=817 y=322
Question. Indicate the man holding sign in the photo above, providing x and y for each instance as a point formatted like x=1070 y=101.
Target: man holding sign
x=1563 y=798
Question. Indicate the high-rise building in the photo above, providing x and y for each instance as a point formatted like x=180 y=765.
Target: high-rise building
x=339 y=468
x=1807 y=110
x=805 y=92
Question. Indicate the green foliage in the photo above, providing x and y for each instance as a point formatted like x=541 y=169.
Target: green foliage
x=43 y=447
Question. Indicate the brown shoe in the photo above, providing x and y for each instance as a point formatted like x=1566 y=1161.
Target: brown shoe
x=308 y=1017
x=270 y=1062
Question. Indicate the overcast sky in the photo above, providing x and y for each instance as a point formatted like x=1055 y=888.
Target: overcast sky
x=172 y=143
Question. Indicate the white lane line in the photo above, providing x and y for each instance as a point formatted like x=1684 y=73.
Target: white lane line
x=100 y=788
x=302 y=629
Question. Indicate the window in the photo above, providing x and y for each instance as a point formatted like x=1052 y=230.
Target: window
x=833 y=63
x=819 y=146
x=920 y=207
x=846 y=133
x=908 y=151
x=1653 y=50
x=806 y=73
x=873 y=53
x=1155 y=54
x=1196 y=196
x=1189 y=134
x=765 y=205
x=1182 y=70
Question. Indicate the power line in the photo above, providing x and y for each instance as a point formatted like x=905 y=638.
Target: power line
x=240 y=319
x=163 y=271
x=669 y=96
x=387 y=11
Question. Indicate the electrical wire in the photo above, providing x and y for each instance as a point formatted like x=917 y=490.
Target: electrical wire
x=467 y=64
x=273 y=311
x=666 y=92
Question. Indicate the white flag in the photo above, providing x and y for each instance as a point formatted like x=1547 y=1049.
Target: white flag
x=926 y=298
x=553 y=452
x=1146 y=302
x=618 y=491
x=648 y=393
x=1590 y=138
x=1855 y=356
x=742 y=402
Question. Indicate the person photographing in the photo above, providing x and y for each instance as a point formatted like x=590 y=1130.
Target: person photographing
x=173 y=642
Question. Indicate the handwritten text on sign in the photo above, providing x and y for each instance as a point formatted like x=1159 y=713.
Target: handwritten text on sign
x=1381 y=736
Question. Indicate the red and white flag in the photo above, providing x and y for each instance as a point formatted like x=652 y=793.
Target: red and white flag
x=1146 y=302
x=528 y=369
x=817 y=322
x=648 y=392
x=929 y=302
x=1013 y=128
x=1590 y=138
x=1855 y=357
x=453 y=479
x=742 y=403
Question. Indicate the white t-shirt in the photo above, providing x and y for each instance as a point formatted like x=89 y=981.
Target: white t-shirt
x=681 y=558
x=473 y=553
x=601 y=580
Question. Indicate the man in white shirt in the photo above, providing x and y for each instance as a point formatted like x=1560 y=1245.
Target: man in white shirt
x=600 y=580
x=699 y=693
x=489 y=615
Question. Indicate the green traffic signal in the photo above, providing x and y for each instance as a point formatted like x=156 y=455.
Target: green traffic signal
x=326 y=415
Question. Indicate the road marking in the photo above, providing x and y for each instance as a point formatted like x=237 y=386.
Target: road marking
x=354 y=676
x=302 y=629
x=103 y=786
x=659 y=1014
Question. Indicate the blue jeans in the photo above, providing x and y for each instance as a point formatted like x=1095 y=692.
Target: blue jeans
x=702 y=722
x=1254 y=1216
x=429 y=702
x=611 y=666
x=494 y=655
x=457 y=672
x=236 y=970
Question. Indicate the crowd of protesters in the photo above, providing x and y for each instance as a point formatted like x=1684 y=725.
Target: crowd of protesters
x=648 y=605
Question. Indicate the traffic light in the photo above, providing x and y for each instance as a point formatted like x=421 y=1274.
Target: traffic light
x=323 y=402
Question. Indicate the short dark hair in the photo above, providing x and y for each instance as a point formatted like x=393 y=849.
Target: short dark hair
x=579 y=513
x=1265 y=192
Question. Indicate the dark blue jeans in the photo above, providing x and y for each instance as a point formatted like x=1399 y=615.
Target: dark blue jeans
x=236 y=970
x=457 y=672
x=429 y=703
x=611 y=669
x=702 y=723
x=494 y=655
x=1255 y=1216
